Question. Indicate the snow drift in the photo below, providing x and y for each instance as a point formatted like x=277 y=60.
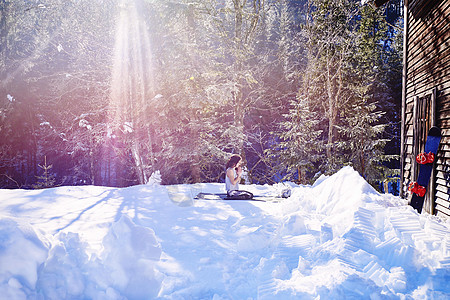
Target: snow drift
x=336 y=239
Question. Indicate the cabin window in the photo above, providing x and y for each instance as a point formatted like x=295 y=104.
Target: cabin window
x=424 y=119
x=423 y=122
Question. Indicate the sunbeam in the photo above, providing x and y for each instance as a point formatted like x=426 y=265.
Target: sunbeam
x=132 y=82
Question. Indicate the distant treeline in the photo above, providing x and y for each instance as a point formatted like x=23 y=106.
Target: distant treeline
x=106 y=93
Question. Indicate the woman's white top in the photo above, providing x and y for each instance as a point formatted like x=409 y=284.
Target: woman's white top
x=228 y=185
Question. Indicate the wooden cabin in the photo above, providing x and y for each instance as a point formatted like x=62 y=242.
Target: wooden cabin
x=426 y=96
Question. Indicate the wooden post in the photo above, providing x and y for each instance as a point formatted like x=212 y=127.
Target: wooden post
x=432 y=186
x=404 y=82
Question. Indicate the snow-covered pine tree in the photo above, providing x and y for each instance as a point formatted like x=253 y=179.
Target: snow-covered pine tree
x=365 y=120
x=300 y=145
x=342 y=88
x=329 y=31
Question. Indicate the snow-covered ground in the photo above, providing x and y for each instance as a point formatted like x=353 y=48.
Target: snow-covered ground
x=337 y=239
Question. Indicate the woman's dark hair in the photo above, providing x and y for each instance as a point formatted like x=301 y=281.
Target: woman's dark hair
x=233 y=161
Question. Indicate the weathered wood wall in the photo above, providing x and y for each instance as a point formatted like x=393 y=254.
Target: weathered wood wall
x=428 y=83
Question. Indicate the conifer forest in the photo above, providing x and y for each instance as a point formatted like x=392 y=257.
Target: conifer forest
x=108 y=92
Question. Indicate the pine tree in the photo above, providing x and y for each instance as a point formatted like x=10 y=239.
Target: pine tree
x=47 y=179
x=342 y=93
x=329 y=32
x=300 y=146
x=366 y=123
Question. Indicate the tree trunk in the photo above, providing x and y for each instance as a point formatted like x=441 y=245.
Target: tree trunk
x=363 y=164
x=239 y=108
x=334 y=90
x=330 y=135
x=239 y=116
x=140 y=172
x=238 y=19
x=331 y=111
x=195 y=171
x=4 y=31
x=91 y=161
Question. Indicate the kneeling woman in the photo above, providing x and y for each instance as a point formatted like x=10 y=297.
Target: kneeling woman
x=232 y=178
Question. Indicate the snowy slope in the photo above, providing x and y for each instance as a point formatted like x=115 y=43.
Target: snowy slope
x=337 y=239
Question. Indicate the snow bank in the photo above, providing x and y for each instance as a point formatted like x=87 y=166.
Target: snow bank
x=21 y=253
x=129 y=258
x=360 y=244
x=337 y=197
x=336 y=239
x=65 y=270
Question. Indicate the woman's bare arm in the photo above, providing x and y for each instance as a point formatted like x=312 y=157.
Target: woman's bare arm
x=230 y=174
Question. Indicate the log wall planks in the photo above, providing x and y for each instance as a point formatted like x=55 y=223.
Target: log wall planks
x=428 y=71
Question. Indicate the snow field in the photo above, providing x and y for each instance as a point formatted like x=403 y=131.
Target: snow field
x=336 y=239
